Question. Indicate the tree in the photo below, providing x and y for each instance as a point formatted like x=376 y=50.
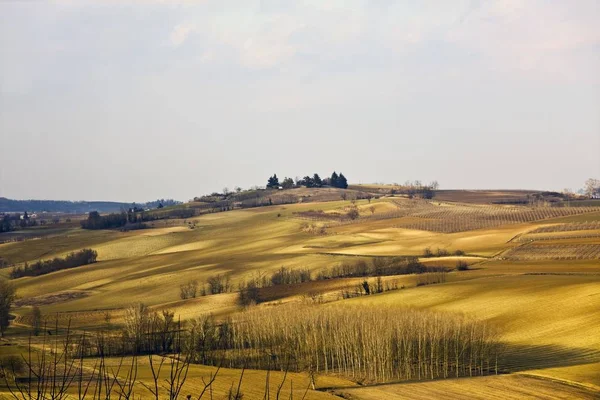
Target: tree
x=317 y=180
x=7 y=297
x=6 y=224
x=342 y=182
x=353 y=213
x=334 y=179
x=308 y=181
x=273 y=182
x=137 y=323
x=592 y=187
x=36 y=320
x=287 y=183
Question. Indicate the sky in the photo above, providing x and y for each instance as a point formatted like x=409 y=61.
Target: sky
x=137 y=100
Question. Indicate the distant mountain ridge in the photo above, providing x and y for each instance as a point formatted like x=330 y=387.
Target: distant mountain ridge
x=72 y=207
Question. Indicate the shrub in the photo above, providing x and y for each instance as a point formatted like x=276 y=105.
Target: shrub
x=431 y=278
x=442 y=252
x=218 y=284
x=353 y=213
x=13 y=364
x=288 y=276
x=462 y=266
x=188 y=290
x=249 y=294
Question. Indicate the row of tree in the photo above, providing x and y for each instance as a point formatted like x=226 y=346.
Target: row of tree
x=251 y=291
x=337 y=181
x=73 y=260
x=110 y=221
x=370 y=343
x=14 y=221
x=377 y=266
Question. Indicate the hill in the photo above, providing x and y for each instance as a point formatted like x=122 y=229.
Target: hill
x=62 y=206
x=532 y=274
x=71 y=207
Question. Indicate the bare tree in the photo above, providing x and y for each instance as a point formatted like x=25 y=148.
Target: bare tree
x=7 y=297
x=188 y=290
x=36 y=323
x=592 y=187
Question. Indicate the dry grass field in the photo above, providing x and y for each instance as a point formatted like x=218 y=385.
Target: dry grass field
x=534 y=274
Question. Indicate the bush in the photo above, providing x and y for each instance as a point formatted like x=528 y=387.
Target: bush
x=249 y=294
x=353 y=213
x=288 y=276
x=188 y=290
x=431 y=278
x=462 y=266
x=12 y=364
x=218 y=284
x=442 y=252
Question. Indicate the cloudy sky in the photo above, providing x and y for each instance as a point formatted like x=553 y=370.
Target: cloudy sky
x=134 y=100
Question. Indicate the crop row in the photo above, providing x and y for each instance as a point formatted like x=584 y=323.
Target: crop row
x=554 y=252
x=575 y=226
x=557 y=236
x=449 y=219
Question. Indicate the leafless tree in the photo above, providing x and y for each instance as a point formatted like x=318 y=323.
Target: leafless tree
x=7 y=297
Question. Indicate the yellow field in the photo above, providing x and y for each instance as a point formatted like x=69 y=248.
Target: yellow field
x=495 y=387
x=547 y=310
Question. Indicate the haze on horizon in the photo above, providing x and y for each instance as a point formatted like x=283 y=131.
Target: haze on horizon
x=138 y=100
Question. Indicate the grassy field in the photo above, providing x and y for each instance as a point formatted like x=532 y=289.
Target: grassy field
x=547 y=308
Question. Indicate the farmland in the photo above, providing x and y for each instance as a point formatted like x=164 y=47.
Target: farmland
x=531 y=276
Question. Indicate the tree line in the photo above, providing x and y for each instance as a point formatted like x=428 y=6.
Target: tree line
x=55 y=369
x=364 y=343
x=314 y=181
x=133 y=218
x=251 y=290
x=370 y=343
x=72 y=260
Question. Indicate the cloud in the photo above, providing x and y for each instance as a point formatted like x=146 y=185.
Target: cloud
x=546 y=39
x=180 y=33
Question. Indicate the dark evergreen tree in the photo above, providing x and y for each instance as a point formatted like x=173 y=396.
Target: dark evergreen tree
x=287 y=183
x=334 y=179
x=6 y=224
x=273 y=182
x=308 y=181
x=317 y=182
x=342 y=182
